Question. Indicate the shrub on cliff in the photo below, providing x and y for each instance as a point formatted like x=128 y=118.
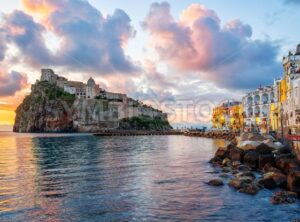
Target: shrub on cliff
x=144 y=123
x=53 y=92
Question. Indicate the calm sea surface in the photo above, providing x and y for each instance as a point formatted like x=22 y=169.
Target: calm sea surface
x=155 y=178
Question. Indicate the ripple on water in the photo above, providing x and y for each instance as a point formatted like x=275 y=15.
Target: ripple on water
x=85 y=178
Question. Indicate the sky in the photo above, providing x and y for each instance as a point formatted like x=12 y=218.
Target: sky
x=183 y=57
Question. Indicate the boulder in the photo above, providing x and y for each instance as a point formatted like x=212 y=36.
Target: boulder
x=248 y=145
x=282 y=150
x=255 y=137
x=243 y=175
x=244 y=184
x=264 y=149
x=216 y=162
x=243 y=168
x=270 y=168
x=251 y=159
x=251 y=189
x=273 y=180
x=227 y=162
x=293 y=182
x=216 y=182
x=236 y=154
x=222 y=153
x=231 y=145
x=272 y=144
x=287 y=164
x=240 y=183
x=264 y=159
x=236 y=164
x=284 y=197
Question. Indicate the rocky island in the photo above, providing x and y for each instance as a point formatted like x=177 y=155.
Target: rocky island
x=56 y=104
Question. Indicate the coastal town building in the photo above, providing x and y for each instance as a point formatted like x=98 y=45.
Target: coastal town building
x=290 y=95
x=270 y=108
x=274 y=120
x=257 y=106
x=228 y=116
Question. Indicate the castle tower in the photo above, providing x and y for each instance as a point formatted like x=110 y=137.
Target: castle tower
x=49 y=76
x=90 y=89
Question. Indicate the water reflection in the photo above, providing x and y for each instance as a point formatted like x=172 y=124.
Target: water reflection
x=84 y=178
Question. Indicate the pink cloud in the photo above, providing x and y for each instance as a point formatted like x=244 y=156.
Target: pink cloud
x=197 y=43
x=12 y=82
x=89 y=41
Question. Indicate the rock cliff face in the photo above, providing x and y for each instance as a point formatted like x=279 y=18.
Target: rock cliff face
x=46 y=109
x=49 y=109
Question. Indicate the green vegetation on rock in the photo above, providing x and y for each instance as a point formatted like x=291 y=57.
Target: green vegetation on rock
x=53 y=92
x=144 y=123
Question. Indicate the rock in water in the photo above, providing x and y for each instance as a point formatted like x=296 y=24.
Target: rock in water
x=239 y=183
x=264 y=149
x=287 y=164
x=251 y=159
x=273 y=180
x=293 y=182
x=236 y=154
x=250 y=189
x=221 y=153
x=216 y=182
x=264 y=159
x=284 y=197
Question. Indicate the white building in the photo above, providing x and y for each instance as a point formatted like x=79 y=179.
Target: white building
x=291 y=105
x=257 y=107
x=81 y=90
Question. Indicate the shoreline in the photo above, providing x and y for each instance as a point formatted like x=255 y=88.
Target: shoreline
x=250 y=155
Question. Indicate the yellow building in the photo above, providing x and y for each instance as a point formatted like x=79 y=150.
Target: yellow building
x=236 y=118
x=218 y=118
x=283 y=90
x=228 y=116
x=274 y=119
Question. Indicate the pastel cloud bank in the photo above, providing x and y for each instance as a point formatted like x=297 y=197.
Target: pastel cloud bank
x=203 y=59
x=88 y=41
x=197 y=43
x=11 y=83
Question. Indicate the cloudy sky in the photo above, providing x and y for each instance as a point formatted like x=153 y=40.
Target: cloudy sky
x=182 y=56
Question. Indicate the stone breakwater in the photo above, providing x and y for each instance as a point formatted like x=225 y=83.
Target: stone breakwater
x=253 y=162
x=226 y=135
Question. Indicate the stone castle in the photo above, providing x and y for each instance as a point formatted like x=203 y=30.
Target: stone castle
x=91 y=109
x=90 y=90
x=120 y=106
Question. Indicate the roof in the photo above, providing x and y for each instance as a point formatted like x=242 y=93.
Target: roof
x=91 y=81
x=76 y=84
